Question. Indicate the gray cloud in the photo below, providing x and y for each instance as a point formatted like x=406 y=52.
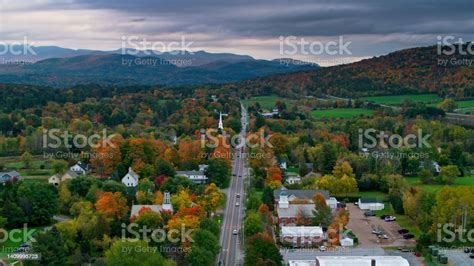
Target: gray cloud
x=374 y=26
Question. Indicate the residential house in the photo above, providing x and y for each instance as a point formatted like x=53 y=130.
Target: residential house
x=57 y=178
x=9 y=176
x=274 y=112
x=131 y=178
x=154 y=208
x=293 y=204
x=283 y=166
x=80 y=168
x=203 y=167
x=302 y=236
x=370 y=204
x=293 y=178
x=196 y=176
x=347 y=242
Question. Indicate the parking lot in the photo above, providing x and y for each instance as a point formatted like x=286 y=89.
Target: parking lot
x=457 y=257
x=362 y=227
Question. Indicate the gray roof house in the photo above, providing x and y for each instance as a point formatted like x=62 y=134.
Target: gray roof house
x=9 y=176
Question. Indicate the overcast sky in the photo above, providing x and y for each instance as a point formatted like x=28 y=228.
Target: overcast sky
x=367 y=27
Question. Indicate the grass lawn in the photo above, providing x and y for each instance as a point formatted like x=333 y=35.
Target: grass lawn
x=460 y=181
x=398 y=99
x=34 y=169
x=465 y=106
x=341 y=113
x=267 y=102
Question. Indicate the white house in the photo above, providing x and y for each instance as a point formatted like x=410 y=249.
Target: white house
x=131 y=178
x=9 y=176
x=203 y=167
x=302 y=236
x=154 y=208
x=370 y=204
x=293 y=178
x=57 y=179
x=283 y=165
x=80 y=168
x=347 y=242
x=196 y=176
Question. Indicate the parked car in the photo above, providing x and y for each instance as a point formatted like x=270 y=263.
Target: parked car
x=383 y=216
x=403 y=231
x=369 y=213
x=467 y=250
x=471 y=255
x=376 y=232
x=408 y=236
x=322 y=248
x=390 y=218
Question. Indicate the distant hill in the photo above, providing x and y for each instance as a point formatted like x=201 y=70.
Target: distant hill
x=417 y=70
x=108 y=68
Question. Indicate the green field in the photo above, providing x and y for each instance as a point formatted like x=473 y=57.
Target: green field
x=38 y=167
x=460 y=181
x=398 y=99
x=267 y=102
x=341 y=113
x=465 y=106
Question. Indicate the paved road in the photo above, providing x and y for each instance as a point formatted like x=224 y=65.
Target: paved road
x=231 y=253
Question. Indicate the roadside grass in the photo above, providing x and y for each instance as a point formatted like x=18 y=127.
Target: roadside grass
x=398 y=99
x=378 y=195
x=268 y=102
x=341 y=113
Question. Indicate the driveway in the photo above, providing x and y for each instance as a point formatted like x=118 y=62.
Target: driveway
x=362 y=227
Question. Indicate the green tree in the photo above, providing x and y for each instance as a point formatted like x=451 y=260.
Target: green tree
x=218 y=172
x=128 y=253
x=59 y=166
x=51 y=247
x=261 y=250
x=252 y=224
x=199 y=256
x=447 y=174
x=206 y=240
x=210 y=225
x=80 y=186
x=26 y=158
x=165 y=168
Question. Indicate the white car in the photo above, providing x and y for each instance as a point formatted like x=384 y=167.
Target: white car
x=390 y=218
x=235 y=232
x=322 y=248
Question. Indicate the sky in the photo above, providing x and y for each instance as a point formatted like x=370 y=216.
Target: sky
x=327 y=32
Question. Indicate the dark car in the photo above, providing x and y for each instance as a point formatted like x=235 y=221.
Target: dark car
x=403 y=231
x=408 y=236
x=471 y=255
x=467 y=250
x=383 y=216
x=369 y=213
